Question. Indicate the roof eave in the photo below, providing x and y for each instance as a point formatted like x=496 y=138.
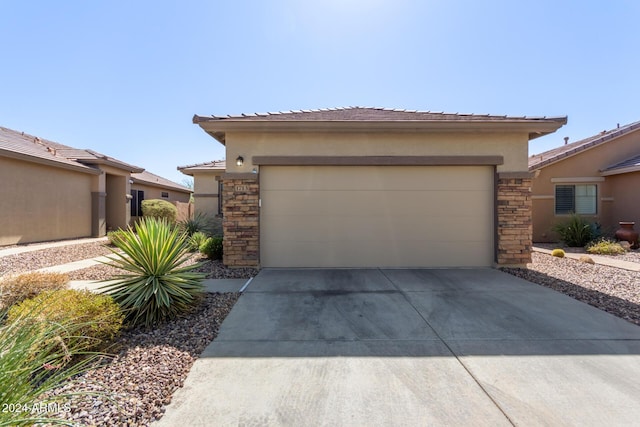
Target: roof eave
x=46 y=162
x=535 y=128
x=115 y=164
x=620 y=171
x=160 y=185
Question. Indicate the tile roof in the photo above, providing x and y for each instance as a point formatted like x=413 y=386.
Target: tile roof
x=20 y=144
x=367 y=114
x=149 y=178
x=28 y=147
x=541 y=160
x=212 y=165
x=631 y=164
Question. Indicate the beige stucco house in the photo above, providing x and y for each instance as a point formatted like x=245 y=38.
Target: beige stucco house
x=207 y=186
x=372 y=187
x=597 y=178
x=51 y=191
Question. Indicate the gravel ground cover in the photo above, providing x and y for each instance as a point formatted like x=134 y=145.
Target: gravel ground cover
x=614 y=290
x=631 y=256
x=149 y=365
x=29 y=261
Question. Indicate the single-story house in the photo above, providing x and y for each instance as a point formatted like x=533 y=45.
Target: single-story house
x=51 y=191
x=374 y=187
x=146 y=185
x=207 y=186
x=597 y=178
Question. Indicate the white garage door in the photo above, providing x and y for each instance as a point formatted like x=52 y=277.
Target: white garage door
x=376 y=216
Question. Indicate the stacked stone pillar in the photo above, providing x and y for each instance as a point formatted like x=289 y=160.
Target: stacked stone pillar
x=514 y=222
x=241 y=219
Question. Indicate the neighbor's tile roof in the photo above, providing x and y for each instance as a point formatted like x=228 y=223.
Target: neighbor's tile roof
x=214 y=164
x=631 y=164
x=21 y=144
x=366 y=114
x=149 y=178
x=541 y=160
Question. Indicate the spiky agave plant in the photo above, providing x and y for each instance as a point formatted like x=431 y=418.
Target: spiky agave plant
x=156 y=286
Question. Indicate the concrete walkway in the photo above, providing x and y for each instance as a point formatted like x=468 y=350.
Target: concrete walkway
x=46 y=245
x=598 y=259
x=411 y=347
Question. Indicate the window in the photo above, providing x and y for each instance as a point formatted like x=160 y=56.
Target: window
x=220 y=197
x=137 y=196
x=165 y=195
x=579 y=199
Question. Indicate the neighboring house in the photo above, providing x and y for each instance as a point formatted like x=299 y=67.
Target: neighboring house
x=597 y=177
x=145 y=185
x=51 y=191
x=372 y=187
x=207 y=186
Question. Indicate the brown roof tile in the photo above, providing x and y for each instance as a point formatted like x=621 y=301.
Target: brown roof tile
x=546 y=158
x=366 y=114
x=149 y=178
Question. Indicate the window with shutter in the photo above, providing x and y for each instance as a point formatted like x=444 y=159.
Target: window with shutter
x=579 y=199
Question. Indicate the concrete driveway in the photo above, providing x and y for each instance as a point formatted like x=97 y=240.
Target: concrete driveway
x=412 y=347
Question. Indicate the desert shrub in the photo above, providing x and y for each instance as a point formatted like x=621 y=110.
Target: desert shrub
x=115 y=235
x=16 y=288
x=196 y=240
x=33 y=363
x=576 y=231
x=156 y=208
x=99 y=315
x=212 y=248
x=199 y=223
x=157 y=285
x=557 y=253
x=605 y=247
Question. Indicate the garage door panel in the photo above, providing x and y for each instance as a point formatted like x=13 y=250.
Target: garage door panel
x=372 y=228
x=379 y=253
x=325 y=216
x=372 y=202
x=364 y=178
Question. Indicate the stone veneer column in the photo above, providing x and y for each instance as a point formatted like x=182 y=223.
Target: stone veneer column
x=241 y=219
x=514 y=222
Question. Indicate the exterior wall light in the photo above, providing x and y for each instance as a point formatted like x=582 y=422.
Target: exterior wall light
x=239 y=161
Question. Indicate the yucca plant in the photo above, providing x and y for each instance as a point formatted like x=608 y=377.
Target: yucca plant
x=156 y=286
x=35 y=362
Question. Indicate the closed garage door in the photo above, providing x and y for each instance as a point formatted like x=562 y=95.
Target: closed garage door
x=376 y=216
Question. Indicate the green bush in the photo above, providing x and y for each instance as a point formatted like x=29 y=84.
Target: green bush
x=605 y=247
x=16 y=288
x=99 y=314
x=156 y=208
x=157 y=285
x=557 y=253
x=576 y=231
x=34 y=362
x=115 y=235
x=212 y=248
x=196 y=240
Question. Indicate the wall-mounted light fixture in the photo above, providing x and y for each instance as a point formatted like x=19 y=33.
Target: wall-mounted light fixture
x=239 y=161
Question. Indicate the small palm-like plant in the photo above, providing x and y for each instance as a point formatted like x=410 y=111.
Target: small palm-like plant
x=156 y=286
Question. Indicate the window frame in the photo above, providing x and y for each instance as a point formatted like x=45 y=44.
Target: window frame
x=574 y=202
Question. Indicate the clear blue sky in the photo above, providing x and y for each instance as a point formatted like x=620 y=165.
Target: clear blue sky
x=125 y=77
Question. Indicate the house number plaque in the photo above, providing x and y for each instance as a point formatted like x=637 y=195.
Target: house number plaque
x=241 y=188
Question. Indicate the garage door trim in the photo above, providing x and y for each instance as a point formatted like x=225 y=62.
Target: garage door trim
x=377 y=160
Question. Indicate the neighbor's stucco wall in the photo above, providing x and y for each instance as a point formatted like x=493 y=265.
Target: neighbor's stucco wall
x=585 y=167
x=40 y=203
x=625 y=189
x=513 y=147
x=205 y=192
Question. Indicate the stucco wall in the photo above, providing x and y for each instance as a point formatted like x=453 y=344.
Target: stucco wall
x=43 y=203
x=205 y=192
x=585 y=168
x=625 y=189
x=152 y=192
x=513 y=147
